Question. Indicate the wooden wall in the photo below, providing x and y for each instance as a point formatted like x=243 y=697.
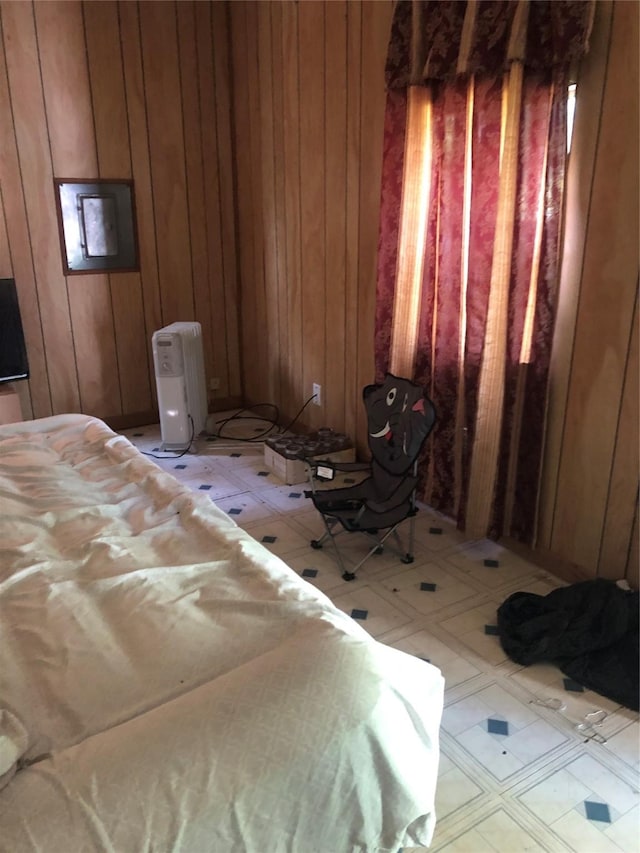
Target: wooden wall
x=118 y=90
x=309 y=110
x=589 y=510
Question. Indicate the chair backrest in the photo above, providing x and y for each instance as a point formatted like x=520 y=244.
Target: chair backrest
x=400 y=417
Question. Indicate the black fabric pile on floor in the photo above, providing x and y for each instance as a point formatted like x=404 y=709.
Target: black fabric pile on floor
x=589 y=630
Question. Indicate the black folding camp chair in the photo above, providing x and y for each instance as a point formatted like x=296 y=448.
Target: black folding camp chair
x=400 y=416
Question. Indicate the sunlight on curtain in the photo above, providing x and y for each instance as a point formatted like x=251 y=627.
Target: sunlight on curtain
x=470 y=228
x=491 y=387
x=413 y=229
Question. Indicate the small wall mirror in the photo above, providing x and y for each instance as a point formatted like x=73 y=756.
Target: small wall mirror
x=97 y=225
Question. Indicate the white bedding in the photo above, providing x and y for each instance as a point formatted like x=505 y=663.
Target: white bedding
x=181 y=688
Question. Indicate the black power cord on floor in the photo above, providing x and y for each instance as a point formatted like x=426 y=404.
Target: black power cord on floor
x=240 y=416
x=273 y=422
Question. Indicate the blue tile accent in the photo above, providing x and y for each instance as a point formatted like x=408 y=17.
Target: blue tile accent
x=491 y=629
x=235 y=455
x=428 y=587
x=235 y=511
x=263 y=473
x=309 y=573
x=497 y=727
x=180 y=467
x=359 y=614
x=491 y=564
x=597 y=811
x=572 y=686
x=269 y=539
x=295 y=494
x=204 y=487
x=435 y=530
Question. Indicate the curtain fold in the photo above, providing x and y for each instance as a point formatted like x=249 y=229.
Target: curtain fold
x=412 y=232
x=469 y=240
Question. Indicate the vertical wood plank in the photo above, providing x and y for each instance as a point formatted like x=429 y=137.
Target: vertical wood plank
x=244 y=199
x=335 y=201
x=32 y=141
x=215 y=283
x=622 y=499
x=606 y=308
x=257 y=350
x=353 y=398
x=167 y=158
x=312 y=117
x=106 y=75
x=141 y=170
x=226 y=165
x=271 y=284
x=130 y=340
x=192 y=118
x=15 y=254
x=292 y=248
x=106 y=78
x=70 y=122
x=93 y=335
x=577 y=208
x=375 y=37
x=289 y=400
x=67 y=95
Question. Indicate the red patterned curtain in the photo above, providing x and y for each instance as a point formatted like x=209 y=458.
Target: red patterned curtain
x=470 y=231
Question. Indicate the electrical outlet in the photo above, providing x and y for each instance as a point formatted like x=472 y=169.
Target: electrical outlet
x=317 y=391
x=214 y=384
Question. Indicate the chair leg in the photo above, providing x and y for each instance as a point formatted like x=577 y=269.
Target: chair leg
x=349 y=574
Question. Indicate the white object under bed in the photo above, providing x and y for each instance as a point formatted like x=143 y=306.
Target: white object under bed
x=167 y=684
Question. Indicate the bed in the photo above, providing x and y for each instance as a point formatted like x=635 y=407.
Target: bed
x=167 y=684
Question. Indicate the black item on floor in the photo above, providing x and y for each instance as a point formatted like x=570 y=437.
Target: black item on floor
x=589 y=630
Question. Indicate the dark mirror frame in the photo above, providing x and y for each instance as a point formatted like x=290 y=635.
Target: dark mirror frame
x=96 y=220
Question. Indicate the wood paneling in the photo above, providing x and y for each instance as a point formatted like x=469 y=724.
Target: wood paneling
x=141 y=171
x=292 y=388
x=335 y=135
x=118 y=90
x=30 y=125
x=161 y=66
x=309 y=108
x=590 y=479
x=228 y=318
x=616 y=558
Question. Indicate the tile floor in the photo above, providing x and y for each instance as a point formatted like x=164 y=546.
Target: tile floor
x=515 y=773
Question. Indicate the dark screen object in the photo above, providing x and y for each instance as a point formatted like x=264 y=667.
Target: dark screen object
x=13 y=352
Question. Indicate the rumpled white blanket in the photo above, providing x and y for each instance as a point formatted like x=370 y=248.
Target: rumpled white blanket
x=13 y=745
x=194 y=693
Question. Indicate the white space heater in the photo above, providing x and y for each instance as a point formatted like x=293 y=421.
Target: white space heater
x=180 y=381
